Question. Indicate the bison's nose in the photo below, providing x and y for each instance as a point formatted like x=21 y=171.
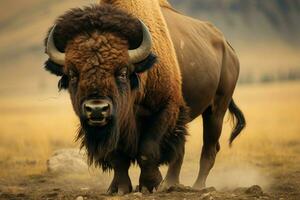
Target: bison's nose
x=97 y=111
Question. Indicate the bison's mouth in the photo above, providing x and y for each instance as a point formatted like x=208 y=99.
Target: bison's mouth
x=98 y=125
x=98 y=121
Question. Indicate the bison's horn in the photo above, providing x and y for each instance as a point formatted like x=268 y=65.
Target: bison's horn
x=144 y=50
x=54 y=54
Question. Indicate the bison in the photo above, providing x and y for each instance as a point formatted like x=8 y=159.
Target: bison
x=133 y=106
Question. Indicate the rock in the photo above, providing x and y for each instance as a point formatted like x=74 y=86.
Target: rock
x=80 y=198
x=180 y=188
x=67 y=161
x=255 y=190
x=240 y=190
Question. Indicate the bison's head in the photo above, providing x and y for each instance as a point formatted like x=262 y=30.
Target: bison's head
x=99 y=52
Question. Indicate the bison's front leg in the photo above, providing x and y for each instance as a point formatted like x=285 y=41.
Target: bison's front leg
x=149 y=162
x=121 y=182
x=152 y=134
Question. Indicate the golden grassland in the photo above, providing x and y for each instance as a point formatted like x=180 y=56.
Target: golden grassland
x=33 y=126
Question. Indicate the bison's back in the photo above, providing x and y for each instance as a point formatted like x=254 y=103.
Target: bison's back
x=200 y=52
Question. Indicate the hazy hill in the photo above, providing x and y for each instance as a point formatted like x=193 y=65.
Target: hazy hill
x=265 y=34
x=253 y=19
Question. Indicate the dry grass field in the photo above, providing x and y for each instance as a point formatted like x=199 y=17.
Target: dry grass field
x=36 y=120
x=266 y=154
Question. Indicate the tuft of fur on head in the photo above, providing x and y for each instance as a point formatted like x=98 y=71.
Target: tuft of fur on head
x=96 y=18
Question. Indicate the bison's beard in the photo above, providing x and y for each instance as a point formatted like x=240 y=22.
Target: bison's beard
x=120 y=134
x=99 y=142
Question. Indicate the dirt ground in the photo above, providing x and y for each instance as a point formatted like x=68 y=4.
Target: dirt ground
x=44 y=187
x=48 y=186
x=264 y=162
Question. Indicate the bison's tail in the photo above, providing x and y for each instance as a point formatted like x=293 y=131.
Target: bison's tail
x=238 y=120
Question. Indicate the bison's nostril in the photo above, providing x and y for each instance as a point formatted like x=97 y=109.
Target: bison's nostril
x=105 y=108
x=96 y=108
x=88 y=109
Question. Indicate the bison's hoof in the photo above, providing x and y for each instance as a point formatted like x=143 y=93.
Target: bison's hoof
x=165 y=185
x=150 y=182
x=199 y=185
x=119 y=189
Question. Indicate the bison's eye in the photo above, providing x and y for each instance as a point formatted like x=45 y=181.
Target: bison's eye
x=122 y=75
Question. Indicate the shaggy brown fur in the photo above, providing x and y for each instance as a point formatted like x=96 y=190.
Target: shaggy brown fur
x=96 y=41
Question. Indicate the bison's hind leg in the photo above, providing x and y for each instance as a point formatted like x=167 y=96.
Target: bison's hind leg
x=212 y=127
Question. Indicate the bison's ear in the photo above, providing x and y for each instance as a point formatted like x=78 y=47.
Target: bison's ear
x=63 y=83
x=140 y=68
x=146 y=64
x=54 y=68
x=134 y=81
